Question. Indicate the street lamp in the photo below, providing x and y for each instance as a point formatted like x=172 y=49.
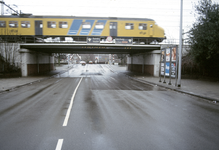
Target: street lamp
x=180 y=46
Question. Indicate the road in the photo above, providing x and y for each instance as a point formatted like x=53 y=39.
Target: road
x=93 y=107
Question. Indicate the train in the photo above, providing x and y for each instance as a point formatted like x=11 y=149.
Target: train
x=88 y=29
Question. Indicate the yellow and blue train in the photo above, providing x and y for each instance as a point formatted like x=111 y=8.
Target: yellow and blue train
x=140 y=30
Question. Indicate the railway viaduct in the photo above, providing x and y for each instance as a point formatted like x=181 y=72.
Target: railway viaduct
x=37 y=58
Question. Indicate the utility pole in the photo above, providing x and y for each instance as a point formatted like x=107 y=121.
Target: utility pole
x=3 y=3
x=180 y=46
x=2 y=8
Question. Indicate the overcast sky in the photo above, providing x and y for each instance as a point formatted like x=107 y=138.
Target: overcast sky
x=165 y=12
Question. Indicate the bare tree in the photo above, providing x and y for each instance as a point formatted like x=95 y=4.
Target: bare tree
x=9 y=54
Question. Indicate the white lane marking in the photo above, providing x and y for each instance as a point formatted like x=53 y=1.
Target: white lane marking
x=59 y=144
x=58 y=80
x=113 y=78
x=71 y=104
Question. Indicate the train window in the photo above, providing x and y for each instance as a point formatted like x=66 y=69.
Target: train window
x=86 y=25
x=2 y=24
x=113 y=25
x=25 y=24
x=99 y=25
x=63 y=24
x=51 y=24
x=13 y=24
x=142 y=26
x=129 y=26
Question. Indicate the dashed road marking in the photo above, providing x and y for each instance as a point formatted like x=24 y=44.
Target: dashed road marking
x=59 y=144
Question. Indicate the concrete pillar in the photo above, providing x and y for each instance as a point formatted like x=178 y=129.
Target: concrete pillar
x=156 y=56
x=131 y=63
x=37 y=61
x=143 y=63
x=23 y=54
x=34 y=62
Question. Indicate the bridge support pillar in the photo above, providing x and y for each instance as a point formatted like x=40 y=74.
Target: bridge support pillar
x=143 y=56
x=33 y=63
x=146 y=63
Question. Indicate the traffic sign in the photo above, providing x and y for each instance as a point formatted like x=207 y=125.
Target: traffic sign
x=124 y=40
x=109 y=38
x=93 y=40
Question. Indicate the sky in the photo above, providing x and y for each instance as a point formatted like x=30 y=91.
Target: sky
x=165 y=13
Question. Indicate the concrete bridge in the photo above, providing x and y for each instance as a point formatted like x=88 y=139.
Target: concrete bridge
x=38 y=58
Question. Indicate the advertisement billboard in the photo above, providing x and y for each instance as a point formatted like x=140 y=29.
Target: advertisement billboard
x=162 y=55
x=168 y=54
x=168 y=62
x=167 y=69
x=174 y=54
x=173 y=69
x=162 y=68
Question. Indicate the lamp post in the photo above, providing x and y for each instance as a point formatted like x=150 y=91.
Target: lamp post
x=180 y=46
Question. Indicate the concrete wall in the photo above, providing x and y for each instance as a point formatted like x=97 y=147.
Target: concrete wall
x=147 y=63
x=35 y=63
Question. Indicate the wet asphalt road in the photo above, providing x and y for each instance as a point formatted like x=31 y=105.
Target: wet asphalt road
x=109 y=112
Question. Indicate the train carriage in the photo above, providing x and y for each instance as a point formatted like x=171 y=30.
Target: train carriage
x=89 y=29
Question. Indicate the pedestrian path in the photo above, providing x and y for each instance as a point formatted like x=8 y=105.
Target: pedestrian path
x=9 y=83
x=197 y=87
x=202 y=88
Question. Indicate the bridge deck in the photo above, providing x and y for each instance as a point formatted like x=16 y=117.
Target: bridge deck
x=90 y=48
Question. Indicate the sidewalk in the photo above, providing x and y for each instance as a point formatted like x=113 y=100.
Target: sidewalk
x=7 y=84
x=197 y=87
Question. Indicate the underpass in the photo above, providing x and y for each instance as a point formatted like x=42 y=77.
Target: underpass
x=37 y=57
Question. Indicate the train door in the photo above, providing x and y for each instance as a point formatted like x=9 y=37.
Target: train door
x=151 y=30
x=113 y=28
x=38 y=27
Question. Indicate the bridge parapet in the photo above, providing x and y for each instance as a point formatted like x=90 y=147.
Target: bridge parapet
x=90 y=48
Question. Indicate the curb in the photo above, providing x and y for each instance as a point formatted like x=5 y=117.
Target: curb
x=29 y=83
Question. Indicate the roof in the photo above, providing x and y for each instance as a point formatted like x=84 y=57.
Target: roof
x=77 y=17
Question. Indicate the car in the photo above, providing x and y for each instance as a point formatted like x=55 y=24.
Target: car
x=90 y=62
x=83 y=63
